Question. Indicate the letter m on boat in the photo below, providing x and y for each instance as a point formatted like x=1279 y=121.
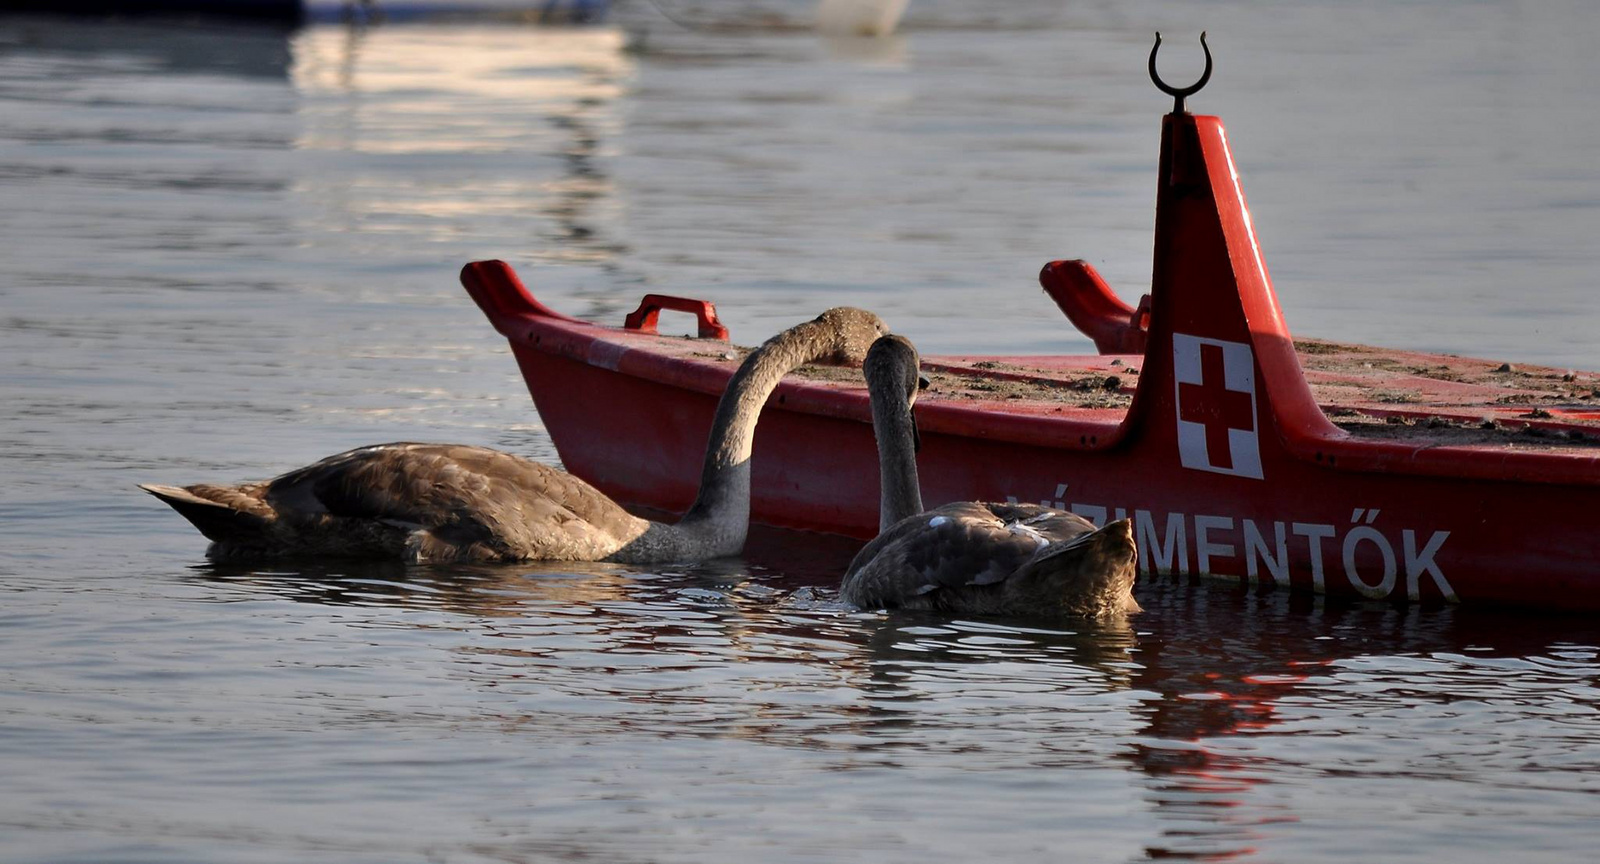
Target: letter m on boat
x=1216 y=401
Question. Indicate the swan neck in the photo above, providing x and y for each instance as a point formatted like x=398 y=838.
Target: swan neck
x=719 y=520
x=899 y=490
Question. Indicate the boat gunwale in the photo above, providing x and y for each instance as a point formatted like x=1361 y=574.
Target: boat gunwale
x=1341 y=451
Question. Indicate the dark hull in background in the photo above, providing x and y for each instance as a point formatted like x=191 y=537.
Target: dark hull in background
x=280 y=10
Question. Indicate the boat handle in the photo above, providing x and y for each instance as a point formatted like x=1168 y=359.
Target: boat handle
x=644 y=318
x=1178 y=93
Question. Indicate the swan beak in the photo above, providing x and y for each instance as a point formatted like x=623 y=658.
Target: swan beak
x=923 y=382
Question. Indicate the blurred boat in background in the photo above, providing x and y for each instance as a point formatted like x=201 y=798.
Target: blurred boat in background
x=869 y=18
x=550 y=11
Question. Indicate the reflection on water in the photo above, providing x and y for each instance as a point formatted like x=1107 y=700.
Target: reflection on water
x=1253 y=723
x=230 y=251
x=463 y=111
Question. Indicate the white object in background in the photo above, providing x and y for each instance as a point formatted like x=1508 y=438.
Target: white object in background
x=860 y=17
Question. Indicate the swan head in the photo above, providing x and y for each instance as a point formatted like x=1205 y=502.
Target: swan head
x=893 y=360
x=847 y=333
x=1091 y=575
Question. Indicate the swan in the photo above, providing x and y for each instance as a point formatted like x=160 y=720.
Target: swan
x=994 y=559
x=458 y=502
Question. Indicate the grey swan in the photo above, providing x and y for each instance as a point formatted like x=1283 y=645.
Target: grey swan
x=971 y=557
x=457 y=502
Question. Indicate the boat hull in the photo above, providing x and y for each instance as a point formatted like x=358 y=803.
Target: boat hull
x=1372 y=535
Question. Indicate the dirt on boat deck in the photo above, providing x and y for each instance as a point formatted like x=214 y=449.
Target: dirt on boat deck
x=1379 y=393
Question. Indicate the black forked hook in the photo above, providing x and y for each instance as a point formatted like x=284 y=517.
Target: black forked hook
x=1177 y=93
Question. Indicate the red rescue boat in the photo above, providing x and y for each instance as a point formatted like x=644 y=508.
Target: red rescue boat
x=1239 y=452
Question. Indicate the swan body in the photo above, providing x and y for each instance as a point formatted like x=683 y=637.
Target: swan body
x=417 y=502
x=456 y=502
x=971 y=557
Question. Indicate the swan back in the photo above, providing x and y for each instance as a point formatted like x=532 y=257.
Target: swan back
x=1013 y=559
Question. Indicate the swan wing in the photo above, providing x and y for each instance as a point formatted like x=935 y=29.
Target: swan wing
x=1055 y=525
x=956 y=545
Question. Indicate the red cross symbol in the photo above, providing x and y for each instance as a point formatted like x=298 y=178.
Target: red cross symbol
x=1211 y=404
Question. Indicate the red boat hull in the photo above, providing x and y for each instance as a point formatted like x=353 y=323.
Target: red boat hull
x=1224 y=458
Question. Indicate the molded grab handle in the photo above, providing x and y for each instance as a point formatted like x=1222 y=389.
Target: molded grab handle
x=644 y=318
x=1095 y=309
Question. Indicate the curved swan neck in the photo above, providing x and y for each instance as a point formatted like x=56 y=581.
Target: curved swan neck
x=720 y=516
x=899 y=490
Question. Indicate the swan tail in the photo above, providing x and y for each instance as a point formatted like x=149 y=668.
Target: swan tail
x=1092 y=573
x=217 y=520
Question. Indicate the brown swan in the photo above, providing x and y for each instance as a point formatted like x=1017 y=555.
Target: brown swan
x=997 y=559
x=456 y=502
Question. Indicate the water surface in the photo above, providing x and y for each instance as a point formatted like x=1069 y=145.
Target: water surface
x=228 y=251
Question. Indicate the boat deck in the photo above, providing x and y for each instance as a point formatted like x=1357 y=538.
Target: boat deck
x=1378 y=393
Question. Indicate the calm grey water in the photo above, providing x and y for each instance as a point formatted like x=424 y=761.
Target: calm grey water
x=228 y=251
